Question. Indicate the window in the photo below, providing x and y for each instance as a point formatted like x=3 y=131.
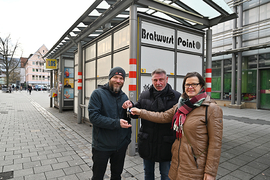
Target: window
x=264 y=60
x=33 y=77
x=36 y=77
x=249 y=78
x=39 y=77
x=33 y=70
x=227 y=79
x=43 y=77
x=216 y=79
x=33 y=63
x=48 y=77
x=36 y=70
x=36 y=63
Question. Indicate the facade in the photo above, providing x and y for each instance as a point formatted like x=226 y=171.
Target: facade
x=23 y=61
x=245 y=41
x=35 y=74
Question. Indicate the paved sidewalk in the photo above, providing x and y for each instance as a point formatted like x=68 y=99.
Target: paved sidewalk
x=38 y=142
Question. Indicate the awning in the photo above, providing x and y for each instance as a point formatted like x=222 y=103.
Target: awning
x=105 y=14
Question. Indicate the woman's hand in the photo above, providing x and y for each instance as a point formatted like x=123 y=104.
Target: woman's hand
x=208 y=177
x=135 y=111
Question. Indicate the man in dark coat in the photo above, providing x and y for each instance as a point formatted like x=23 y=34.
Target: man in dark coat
x=111 y=130
x=154 y=139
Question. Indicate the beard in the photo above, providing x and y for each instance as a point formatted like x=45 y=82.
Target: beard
x=115 y=87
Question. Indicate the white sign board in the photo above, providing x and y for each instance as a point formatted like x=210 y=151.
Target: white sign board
x=157 y=35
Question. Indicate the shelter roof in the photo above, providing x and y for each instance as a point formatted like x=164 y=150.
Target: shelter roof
x=105 y=14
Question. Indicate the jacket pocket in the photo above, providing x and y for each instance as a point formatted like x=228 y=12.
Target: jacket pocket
x=165 y=149
x=143 y=145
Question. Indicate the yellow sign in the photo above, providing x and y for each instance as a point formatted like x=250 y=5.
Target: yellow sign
x=143 y=70
x=51 y=63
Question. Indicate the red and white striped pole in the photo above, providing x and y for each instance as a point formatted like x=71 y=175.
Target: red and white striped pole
x=208 y=79
x=79 y=80
x=132 y=74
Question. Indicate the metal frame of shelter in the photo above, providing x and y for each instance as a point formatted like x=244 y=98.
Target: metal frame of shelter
x=105 y=14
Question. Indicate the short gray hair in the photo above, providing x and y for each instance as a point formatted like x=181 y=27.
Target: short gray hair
x=159 y=71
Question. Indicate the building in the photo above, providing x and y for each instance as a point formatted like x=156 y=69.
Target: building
x=243 y=45
x=23 y=61
x=35 y=74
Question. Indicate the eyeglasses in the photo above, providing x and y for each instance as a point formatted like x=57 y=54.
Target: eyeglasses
x=192 y=85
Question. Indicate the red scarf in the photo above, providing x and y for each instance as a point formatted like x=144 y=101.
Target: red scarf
x=186 y=106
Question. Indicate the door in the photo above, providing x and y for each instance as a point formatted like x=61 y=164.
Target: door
x=265 y=89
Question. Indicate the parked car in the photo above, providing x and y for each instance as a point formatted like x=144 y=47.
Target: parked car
x=41 y=88
x=5 y=89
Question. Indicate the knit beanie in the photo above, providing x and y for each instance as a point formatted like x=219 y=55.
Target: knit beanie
x=117 y=71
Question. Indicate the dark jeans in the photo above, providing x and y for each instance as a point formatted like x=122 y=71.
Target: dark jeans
x=149 y=169
x=100 y=161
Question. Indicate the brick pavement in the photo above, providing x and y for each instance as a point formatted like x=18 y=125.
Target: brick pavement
x=38 y=142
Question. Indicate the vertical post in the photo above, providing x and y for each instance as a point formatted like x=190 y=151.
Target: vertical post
x=132 y=70
x=51 y=83
x=239 y=58
x=61 y=83
x=233 y=60
x=208 y=73
x=80 y=63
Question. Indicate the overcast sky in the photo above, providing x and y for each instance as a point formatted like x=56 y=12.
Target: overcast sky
x=34 y=22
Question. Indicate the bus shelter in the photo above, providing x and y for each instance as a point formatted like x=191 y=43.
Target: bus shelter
x=139 y=36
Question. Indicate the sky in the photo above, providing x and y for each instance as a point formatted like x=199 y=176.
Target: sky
x=34 y=22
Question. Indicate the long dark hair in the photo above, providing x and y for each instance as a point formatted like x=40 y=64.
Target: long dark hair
x=189 y=75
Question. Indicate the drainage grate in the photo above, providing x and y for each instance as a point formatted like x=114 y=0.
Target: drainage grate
x=6 y=175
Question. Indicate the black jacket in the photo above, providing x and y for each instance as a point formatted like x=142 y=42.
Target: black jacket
x=154 y=139
x=105 y=111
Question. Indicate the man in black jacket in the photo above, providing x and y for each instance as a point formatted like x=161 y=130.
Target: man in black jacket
x=111 y=130
x=154 y=139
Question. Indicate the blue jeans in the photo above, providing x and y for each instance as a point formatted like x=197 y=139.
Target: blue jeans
x=149 y=169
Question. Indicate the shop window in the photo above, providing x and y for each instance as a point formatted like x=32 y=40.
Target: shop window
x=216 y=79
x=264 y=60
x=227 y=79
x=249 y=78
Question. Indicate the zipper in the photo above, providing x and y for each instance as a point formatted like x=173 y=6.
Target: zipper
x=117 y=113
x=178 y=154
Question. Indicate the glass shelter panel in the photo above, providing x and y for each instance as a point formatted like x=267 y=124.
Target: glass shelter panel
x=103 y=66
x=104 y=46
x=121 y=38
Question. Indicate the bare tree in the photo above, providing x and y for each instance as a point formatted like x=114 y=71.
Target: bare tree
x=7 y=51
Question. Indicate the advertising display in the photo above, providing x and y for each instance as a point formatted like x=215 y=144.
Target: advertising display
x=51 y=63
x=68 y=73
x=176 y=50
x=68 y=93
